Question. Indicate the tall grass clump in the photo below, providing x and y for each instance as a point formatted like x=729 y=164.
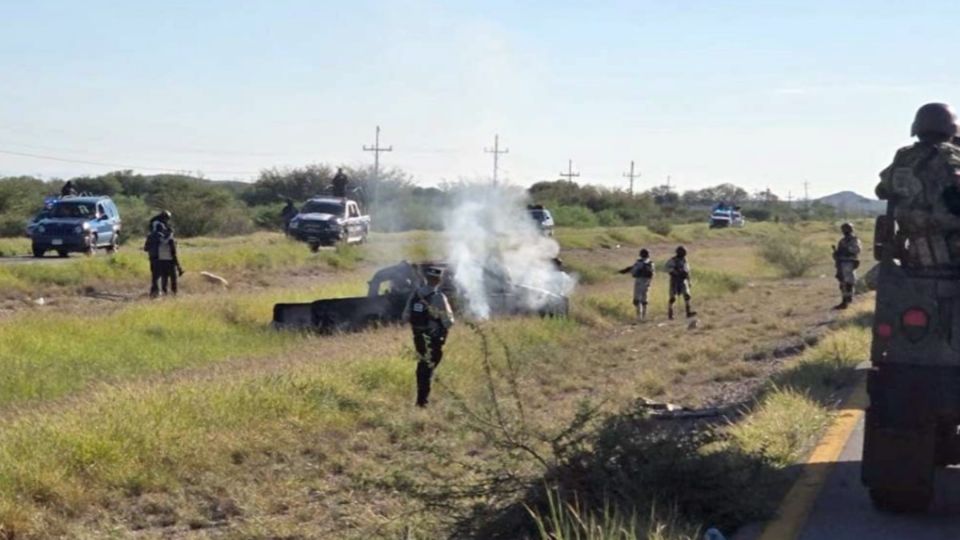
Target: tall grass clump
x=792 y=255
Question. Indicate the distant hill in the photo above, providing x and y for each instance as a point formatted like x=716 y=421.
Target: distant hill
x=851 y=203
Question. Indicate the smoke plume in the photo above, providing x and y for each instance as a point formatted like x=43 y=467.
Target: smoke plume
x=490 y=235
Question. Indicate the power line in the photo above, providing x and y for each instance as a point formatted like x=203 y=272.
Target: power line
x=570 y=175
x=631 y=176
x=496 y=155
x=377 y=150
x=115 y=165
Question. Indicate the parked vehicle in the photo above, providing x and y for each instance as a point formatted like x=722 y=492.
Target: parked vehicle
x=542 y=217
x=328 y=221
x=726 y=215
x=77 y=225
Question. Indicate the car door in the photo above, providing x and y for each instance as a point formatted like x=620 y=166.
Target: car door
x=103 y=225
x=353 y=220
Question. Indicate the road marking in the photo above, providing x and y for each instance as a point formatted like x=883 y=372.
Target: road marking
x=796 y=506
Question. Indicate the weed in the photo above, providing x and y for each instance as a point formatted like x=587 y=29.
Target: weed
x=793 y=256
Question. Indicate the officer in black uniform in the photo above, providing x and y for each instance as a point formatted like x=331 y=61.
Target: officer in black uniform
x=430 y=317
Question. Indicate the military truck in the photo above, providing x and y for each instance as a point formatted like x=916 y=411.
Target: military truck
x=390 y=288
x=325 y=221
x=725 y=215
x=914 y=382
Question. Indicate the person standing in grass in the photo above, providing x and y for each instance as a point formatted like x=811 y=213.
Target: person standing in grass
x=680 y=284
x=430 y=317
x=161 y=249
x=642 y=271
x=846 y=256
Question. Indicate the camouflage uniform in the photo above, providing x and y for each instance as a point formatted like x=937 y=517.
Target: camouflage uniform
x=679 y=270
x=847 y=258
x=922 y=182
x=430 y=317
x=642 y=271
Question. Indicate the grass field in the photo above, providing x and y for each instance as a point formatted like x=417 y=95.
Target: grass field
x=191 y=418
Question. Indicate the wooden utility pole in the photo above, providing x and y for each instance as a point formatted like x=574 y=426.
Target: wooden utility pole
x=570 y=175
x=377 y=149
x=496 y=155
x=631 y=176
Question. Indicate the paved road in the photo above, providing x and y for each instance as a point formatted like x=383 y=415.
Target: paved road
x=843 y=510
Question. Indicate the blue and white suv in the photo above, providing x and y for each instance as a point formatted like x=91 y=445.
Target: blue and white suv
x=78 y=224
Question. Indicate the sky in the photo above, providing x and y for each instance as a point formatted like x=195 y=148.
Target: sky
x=761 y=94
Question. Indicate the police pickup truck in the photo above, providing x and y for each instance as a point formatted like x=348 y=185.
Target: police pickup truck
x=326 y=221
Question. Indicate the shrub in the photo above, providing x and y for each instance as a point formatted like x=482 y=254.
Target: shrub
x=574 y=216
x=794 y=256
x=661 y=227
x=609 y=218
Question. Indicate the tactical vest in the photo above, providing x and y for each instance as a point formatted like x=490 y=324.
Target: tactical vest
x=420 y=316
x=642 y=269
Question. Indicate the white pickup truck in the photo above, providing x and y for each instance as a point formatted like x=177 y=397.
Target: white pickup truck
x=326 y=221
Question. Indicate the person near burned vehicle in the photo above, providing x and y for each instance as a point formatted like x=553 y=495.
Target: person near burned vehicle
x=430 y=316
x=679 y=270
x=642 y=271
x=846 y=256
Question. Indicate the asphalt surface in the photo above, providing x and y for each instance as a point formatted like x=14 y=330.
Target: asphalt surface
x=843 y=510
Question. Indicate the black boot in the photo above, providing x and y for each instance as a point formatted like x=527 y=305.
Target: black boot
x=844 y=304
x=670 y=312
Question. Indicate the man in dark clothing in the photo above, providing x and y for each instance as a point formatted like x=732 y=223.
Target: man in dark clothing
x=430 y=317
x=287 y=214
x=68 y=190
x=679 y=270
x=339 y=183
x=642 y=271
x=161 y=248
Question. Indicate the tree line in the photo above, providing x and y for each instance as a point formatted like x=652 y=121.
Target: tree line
x=203 y=207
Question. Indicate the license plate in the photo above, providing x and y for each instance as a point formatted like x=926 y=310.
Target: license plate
x=57 y=242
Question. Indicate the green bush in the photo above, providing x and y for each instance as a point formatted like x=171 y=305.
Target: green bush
x=574 y=216
x=609 y=218
x=793 y=255
x=661 y=227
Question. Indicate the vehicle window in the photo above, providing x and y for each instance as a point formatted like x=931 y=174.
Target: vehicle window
x=353 y=211
x=101 y=211
x=73 y=210
x=323 y=207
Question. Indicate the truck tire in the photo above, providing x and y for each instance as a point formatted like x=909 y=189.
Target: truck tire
x=92 y=248
x=314 y=248
x=901 y=501
x=114 y=246
x=38 y=251
x=62 y=253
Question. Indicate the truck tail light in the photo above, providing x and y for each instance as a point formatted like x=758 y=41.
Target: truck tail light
x=884 y=330
x=915 y=322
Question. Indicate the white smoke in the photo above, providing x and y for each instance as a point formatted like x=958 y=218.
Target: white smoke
x=489 y=232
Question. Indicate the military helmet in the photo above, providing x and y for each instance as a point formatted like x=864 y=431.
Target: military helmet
x=937 y=118
x=847 y=228
x=644 y=253
x=165 y=215
x=681 y=251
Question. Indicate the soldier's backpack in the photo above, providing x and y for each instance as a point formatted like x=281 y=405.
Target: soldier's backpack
x=420 y=316
x=642 y=269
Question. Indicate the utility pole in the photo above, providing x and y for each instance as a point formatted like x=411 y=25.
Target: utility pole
x=668 y=183
x=496 y=155
x=377 y=149
x=806 y=194
x=631 y=176
x=570 y=175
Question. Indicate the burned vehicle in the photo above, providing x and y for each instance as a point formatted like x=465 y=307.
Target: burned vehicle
x=911 y=426
x=390 y=288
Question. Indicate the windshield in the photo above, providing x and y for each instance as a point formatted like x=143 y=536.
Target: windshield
x=74 y=210
x=539 y=215
x=322 y=207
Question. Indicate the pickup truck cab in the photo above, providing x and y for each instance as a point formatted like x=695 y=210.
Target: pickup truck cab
x=77 y=224
x=328 y=221
x=542 y=217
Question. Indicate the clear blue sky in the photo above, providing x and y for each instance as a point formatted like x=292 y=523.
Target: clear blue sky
x=756 y=93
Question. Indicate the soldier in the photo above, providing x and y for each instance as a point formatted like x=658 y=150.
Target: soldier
x=846 y=257
x=923 y=185
x=642 y=271
x=339 y=183
x=679 y=270
x=430 y=317
x=68 y=190
x=287 y=214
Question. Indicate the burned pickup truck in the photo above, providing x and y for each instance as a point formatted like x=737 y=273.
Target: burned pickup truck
x=390 y=288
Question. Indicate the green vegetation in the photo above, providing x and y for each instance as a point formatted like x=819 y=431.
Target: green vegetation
x=793 y=255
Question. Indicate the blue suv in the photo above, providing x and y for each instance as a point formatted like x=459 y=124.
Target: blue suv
x=78 y=224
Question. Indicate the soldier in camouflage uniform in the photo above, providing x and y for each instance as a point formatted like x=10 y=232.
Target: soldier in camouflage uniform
x=679 y=270
x=430 y=317
x=846 y=256
x=642 y=271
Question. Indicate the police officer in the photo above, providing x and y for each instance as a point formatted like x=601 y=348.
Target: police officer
x=923 y=185
x=679 y=270
x=430 y=317
x=339 y=183
x=846 y=256
x=642 y=271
